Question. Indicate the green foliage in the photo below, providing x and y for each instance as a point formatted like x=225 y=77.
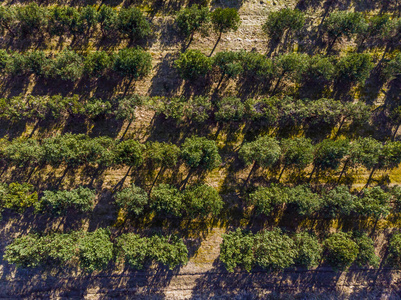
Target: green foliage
x=284 y=20
x=395 y=249
x=133 y=199
x=229 y=63
x=329 y=153
x=292 y=65
x=67 y=65
x=17 y=196
x=366 y=255
x=192 y=19
x=297 y=152
x=354 y=67
x=36 y=62
x=132 y=24
x=24 y=153
x=95 y=250
x=305 y=201
x=237 y=250
x=25 y=251
x=164 y=155
x=393 y=68
x=58 y=202
x=308 y=248
x=31 y=18
x=169 y=251
x=225 y=19
x=129 y=152
x=256 y=66
x=193 y=64
x=127 y=106
x=266 y=199
x=230 y=109
x=374 y=203
x=203 y=200
x=198 y=108
x=199 y=152
x=133 y=63
x=390 y=156
x=339 y=202
x=107 y=18
x=134 y=249
x=167 y=199
x=341 y=250
x=265 y=151
x=97 y=63
x=274 y=250
x=365 y=152
x=345 y=23
x=319 y=70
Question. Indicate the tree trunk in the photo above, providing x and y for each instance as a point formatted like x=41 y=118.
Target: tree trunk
x=278 y=83
x=215 y=45
x=157 y=176
x=190 y=41
x=126 y=129
x=313 y=171
x=395 y=132
x=343 y=170
x=254 y=167
x=331 y=44
x=339 y=128
x=370 y=177
x=281 y=173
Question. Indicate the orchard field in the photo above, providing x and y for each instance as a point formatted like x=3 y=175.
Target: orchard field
x=219 y=149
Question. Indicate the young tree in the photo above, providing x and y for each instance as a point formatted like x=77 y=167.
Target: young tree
x=199 y=152
x=59 y=202
x=266 y=199
x=285 y=21
x=134 y=249
x=339 y=202
x=31 y=18
x=198 y=108
x=132 y=24
x=95 y=250
x=237 y=250
x=343 y=23
x=290 y=65
x=192 y=19
x=318 y=72
x=132 y=199
x=374 y=203
x=309 y=250
x=169 y=251
x=353 y=68
x=97 y=63
x=296 y=153
x=24 y=153
x=230 y=109
x=341 y=250
x=395 y=249
x=304 y=200
x=17 y=196
x=129 y=152
x=193 y=65
x=167 y=199
x=203 y=200
x=274 y=250
x=133 y=63
x=67 y=65
x=107 y=19
x=366 y=255
x=24 y=251
x=264 y=151
x=8 y=19
x=229 y=64
x=257 y=67
x=329 y=153
x=224 y=20
x=36 y=62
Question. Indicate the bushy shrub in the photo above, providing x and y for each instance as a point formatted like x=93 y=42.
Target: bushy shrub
x=200 y=152
x=17 y=196
x=169 y=251
x=309 y=250
x=193 y=64
x=203 y=200
x=134 y=249
x=133 y=63
x=230 y=109
x=266 y=199
x=366 y=255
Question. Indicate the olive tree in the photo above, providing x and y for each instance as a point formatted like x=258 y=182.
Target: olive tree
x=192 y=19
x=132 y=199
x=224 y=20
x=341 y=250
x=203 y=200
x=132 y=24
x=167 y=199
x=193 y=64
x=199 y=152
x=133 y=63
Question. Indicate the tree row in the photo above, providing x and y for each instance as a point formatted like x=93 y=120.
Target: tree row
x=275 y=250
x=68 y=65
x=95 y=250
x=199 y=153
x=197 y=201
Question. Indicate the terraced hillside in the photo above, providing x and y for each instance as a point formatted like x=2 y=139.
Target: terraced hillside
x=197 y=150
